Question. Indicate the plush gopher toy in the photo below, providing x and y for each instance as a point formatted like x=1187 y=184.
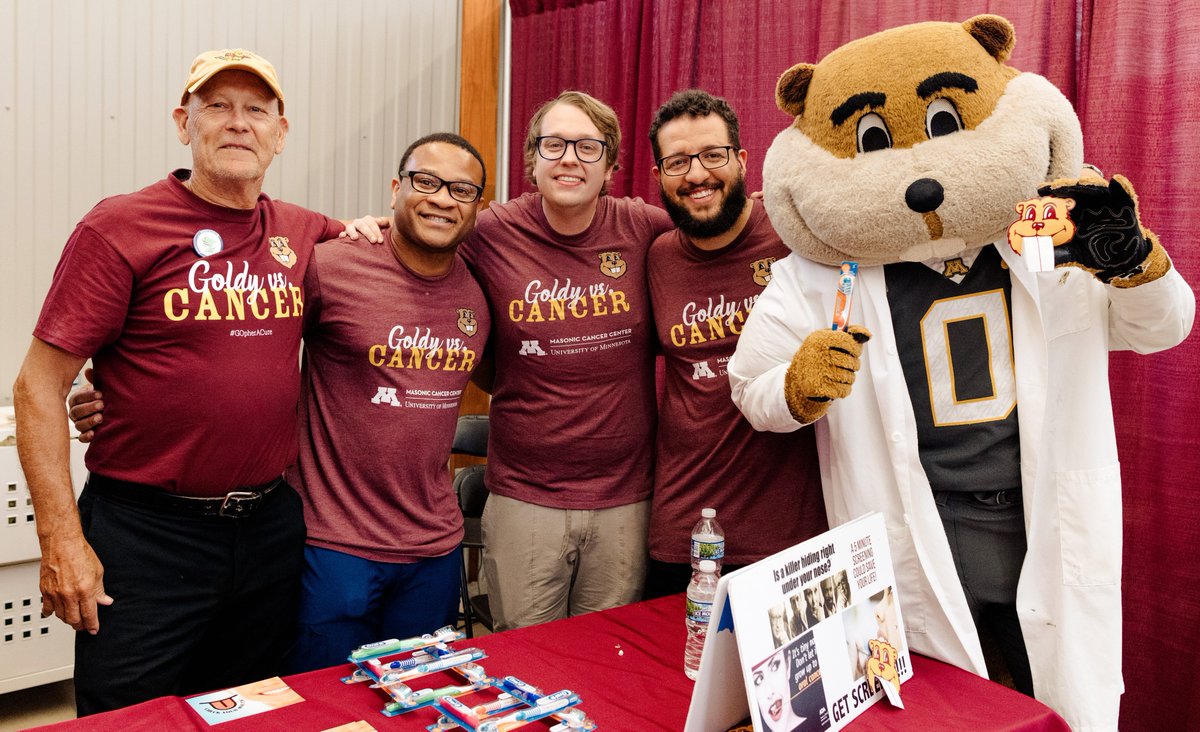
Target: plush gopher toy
x=980 y=423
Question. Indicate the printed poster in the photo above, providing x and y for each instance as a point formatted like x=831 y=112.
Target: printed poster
x=815 y=633
x=246 y=700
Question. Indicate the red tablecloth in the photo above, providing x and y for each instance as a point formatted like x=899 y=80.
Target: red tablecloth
x=625 y=663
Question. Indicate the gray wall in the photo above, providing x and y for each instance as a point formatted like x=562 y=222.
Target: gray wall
x=87 y=88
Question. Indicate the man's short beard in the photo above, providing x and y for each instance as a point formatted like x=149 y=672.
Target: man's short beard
x=727 y=216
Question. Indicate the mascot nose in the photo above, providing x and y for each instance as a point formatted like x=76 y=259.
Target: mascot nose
x=924 y=195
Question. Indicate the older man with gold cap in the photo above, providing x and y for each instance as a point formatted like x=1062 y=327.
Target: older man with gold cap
x=180 y=565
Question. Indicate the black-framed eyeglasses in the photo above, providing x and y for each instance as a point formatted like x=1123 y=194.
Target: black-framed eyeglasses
x=710 y=158
x=429 y=184
x=588 y=150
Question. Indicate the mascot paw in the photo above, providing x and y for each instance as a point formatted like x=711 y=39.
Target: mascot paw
x=1110 y=241
x=823 y=369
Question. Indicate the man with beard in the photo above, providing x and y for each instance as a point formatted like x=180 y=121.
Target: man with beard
x=704 y=278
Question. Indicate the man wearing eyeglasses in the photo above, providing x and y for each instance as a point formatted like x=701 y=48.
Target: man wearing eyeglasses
x=570 y=459
x=704 y=278
x=391 y=337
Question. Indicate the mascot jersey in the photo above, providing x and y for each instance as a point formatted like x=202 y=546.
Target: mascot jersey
x=707 y=454
x=387 y=354
x=192 y=315
x=955 y=343
x=572 y=410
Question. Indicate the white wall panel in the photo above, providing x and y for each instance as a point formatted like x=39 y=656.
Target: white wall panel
x=87 y=88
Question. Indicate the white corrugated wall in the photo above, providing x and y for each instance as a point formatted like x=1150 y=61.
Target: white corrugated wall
x=87 y=88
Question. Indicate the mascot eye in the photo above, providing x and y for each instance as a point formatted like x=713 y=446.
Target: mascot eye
x=941 y=118
x=873 y=133
x=1030 y=213
x=1050 y=213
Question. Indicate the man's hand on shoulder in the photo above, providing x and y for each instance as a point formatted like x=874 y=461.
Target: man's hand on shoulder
x=369 y=227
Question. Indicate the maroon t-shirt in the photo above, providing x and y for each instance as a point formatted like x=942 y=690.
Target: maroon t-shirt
x=387 y=354
x=766 y=486
x=197 y=356
x=572 y=415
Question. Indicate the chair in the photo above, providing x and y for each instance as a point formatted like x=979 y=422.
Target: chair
x=471 y=435
x=472 y=496
x=471 y=439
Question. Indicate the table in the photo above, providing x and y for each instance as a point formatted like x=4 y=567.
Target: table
x=625 y=663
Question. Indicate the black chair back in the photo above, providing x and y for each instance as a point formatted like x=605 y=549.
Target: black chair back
x=471 y=436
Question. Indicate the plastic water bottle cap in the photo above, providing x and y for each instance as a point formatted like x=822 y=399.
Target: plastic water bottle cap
x=708 y=565
x=708 y=512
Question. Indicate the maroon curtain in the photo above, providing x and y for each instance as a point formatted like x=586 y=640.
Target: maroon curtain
x=589 y=46
x=633 y=54
x=1138 y=76
x=1132 y=76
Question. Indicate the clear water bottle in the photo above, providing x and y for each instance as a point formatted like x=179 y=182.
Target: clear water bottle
x=708 y=540
x=700 y=594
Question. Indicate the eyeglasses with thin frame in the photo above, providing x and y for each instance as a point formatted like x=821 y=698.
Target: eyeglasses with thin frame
x=710 y=157
x=587 y=149
x=429 y=184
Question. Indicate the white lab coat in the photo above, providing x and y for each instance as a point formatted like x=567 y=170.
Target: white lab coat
x=1064 y=323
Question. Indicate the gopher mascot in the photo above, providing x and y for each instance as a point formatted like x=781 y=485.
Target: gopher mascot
x=980 y=423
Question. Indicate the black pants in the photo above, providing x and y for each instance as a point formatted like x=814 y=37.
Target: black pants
x=199 y=603
x=987 y=540
x=670 y=578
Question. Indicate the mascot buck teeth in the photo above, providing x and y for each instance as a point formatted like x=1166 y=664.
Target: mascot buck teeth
x=980 y=422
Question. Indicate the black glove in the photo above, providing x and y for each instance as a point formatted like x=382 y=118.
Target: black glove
x=1109 y=240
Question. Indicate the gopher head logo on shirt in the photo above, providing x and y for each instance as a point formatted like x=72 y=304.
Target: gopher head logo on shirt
x=466 y=321
x=612 y=265
x=762 y=270
x=282 y=252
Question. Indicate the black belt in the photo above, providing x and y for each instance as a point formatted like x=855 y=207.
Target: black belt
x=238 y=503
x=988 y=498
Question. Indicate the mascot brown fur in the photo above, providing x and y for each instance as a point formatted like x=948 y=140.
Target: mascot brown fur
x=909 y=152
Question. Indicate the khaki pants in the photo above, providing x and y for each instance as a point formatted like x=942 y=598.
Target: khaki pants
x=543 y=563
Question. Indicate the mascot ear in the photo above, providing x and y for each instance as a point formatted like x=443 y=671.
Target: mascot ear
x=793 y=88
x=994 y=33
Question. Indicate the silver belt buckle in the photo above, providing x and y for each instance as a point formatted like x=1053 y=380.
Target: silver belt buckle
x=232 y=505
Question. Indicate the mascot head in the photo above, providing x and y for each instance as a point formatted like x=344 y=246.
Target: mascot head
x=914 y=144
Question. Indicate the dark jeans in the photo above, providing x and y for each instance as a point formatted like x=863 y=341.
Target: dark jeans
x=987 y=540
x=671 y=578
x=199 y=603
x=347 y=601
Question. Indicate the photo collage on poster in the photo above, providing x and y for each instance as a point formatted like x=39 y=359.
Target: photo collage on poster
x=816 y=630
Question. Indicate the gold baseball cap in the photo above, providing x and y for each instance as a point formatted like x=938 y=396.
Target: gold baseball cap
x=209 y=64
